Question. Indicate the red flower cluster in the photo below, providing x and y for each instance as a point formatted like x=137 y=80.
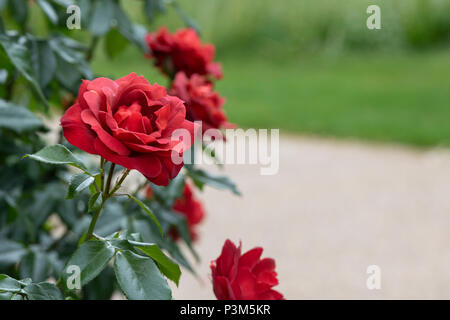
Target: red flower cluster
x=190 y=64
x=244 y=277
x=129 y=122
x=202 y=102
x=182 y=51
x=188 y=206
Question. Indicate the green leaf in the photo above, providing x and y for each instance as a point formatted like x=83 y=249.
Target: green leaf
x=57 y=154
x=91 y=257
x=115 y=43
x=42 y=291
x=19 y=9
x=202 y=177
x=69 y=51
x=133 y=32
x=20 y=57
x=68 y=75
x=49 y=11
x=102 y=287
x=44 y=61
x=101 y=17
x=169 y=268
x=10 y=252
x=35 y=265
x=17 y=118
x=7 y=295
x=148 y=211
x=78 y=183
x=9 y=284
x=139 y=277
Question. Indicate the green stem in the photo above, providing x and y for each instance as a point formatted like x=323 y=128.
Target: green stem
x=106 y=195
x=90 y=231
x=102 y=173
x=108 y=182
x=90 y=52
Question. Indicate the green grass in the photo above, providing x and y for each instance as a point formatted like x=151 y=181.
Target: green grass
x=400 y=98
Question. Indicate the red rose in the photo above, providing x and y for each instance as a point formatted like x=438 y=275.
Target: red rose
x=192 y=209
x=129 y=122
x=182 y=51
x=244 y=277
x=202 y=103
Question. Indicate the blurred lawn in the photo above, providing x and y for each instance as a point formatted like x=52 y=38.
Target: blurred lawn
x=403 y=98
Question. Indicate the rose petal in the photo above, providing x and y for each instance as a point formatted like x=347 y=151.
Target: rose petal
x=112 y=143
x=76 y=131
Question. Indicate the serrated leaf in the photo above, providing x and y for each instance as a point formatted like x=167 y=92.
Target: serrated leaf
x=148 y=211
x=91 y=257
x=17 y=118
x=78 y=183
x=169 y=268
x=57 y=154
x=139 y=277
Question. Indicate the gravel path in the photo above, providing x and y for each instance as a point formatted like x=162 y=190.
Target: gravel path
x=335 y=208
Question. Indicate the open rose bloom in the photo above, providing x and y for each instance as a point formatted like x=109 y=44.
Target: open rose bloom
x=129 y=122
x=244 y=277
x=182 y=51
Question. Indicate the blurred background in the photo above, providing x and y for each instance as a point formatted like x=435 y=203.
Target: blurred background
x=314 y=67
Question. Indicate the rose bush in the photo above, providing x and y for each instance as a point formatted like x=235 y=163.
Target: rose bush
x=134 y=245
x=129 y=122
x=237 y=276
x=182 y=51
